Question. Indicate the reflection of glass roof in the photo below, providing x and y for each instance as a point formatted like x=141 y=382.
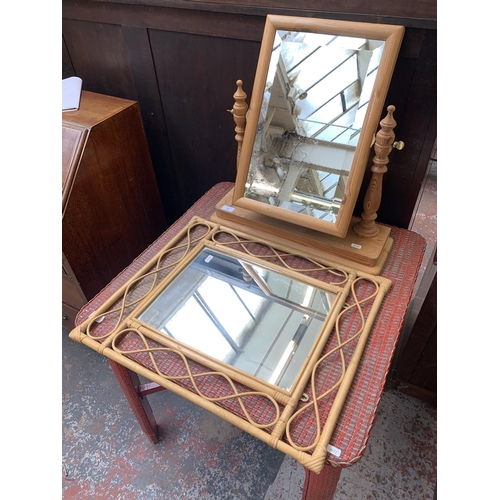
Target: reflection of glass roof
x=314 y=104
x=329 y=80
x=241 y=313
x=234 y=314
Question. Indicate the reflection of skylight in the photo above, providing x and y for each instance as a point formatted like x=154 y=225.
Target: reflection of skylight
x=206 y=337
x=230 y=311
x=225 y=304
x=241 y=313
x=314 y=105
x=327 y=79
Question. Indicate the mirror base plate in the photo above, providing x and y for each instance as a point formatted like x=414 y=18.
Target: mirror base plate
x=364 y=254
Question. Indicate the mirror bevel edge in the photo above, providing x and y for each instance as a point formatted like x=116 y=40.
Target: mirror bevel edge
x=392 y=36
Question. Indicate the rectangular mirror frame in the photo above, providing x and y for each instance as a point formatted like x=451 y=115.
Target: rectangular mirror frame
x=125 y=305
x=392 y=35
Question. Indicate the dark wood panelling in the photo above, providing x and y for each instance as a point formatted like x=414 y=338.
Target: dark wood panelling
x=197 y=79
x=99 y=57
x=421 y=14
x=180 y=61
x=219 y=24
x=67 y=65
x=149 y=97
x=414 y=94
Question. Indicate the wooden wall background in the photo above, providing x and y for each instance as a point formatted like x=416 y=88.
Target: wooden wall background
x=180 y=60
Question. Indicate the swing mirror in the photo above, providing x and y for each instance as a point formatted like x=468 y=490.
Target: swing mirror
x=319 y=91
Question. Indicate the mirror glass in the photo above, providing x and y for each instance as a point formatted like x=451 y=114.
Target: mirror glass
x=317 y=100
x=317 y=92
x=246 y=315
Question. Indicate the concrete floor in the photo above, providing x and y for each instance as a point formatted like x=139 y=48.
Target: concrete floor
x=106 y=455
x=200 y=456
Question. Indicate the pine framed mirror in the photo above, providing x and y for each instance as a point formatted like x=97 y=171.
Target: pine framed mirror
x=318 y=95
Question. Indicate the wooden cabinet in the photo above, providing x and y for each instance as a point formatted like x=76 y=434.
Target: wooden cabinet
x=111 y=208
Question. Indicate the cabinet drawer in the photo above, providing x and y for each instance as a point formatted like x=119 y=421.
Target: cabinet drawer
x=72 y=295
x=68 y=316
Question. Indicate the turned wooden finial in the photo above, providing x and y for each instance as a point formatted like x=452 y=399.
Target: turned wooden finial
x=384 y=142
x=239 y=112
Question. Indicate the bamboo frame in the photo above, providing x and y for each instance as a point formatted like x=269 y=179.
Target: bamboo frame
x=122 y=312
x=392 y=36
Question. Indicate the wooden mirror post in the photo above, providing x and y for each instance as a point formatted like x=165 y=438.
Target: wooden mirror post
x=384 y=142
x=239 y=113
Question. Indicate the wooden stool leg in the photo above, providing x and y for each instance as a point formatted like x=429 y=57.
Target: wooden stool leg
x=321 y=486
x=129 y=382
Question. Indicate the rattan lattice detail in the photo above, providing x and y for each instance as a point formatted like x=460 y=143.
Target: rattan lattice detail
x=192 y=377
x=338 y=348
x=288 y=260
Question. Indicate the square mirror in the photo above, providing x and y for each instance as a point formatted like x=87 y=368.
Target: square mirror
x=318 y=95
x=253 y=318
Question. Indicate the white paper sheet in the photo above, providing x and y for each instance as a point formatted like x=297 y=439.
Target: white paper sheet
x=71 y=93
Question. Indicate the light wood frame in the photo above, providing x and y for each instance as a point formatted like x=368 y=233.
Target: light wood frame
x=392 y=36
x=121 y=311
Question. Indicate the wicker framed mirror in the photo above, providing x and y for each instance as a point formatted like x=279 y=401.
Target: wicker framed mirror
x=318 y=95
x=220 y=316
